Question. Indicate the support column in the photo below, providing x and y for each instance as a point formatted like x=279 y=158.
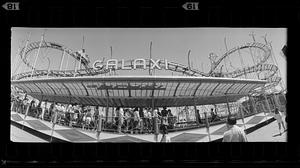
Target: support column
x=61 y=61
x=27 y=110
x=12 y=106
x=253 y=104
x=207 y=126
x=242 y=115
x=37 y=55
x=268 y=105
x=228 y=107
x=99 y=127
x=196 y=113
x=106 y=109
x=53 y=123
x=26 y=113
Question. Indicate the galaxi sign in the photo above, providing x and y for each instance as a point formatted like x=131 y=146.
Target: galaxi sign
x=132 y=64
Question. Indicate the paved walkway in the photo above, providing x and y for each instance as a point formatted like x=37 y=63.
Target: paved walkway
x=195 y=135
x=268 y=133
x=18 y=135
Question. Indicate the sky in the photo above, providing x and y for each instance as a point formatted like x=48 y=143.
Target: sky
x=172 y=44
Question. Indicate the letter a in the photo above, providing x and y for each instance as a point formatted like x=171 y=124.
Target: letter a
x=114 y=64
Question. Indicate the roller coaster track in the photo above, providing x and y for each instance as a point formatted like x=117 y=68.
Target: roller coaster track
x=259 y=67
x=35 y=45
x=172 y=66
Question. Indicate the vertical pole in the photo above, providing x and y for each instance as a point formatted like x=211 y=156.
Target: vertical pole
x=61 y=61
x=253 y=61
x=24 y=51
x=242 y=115
x=99 y=127
x=67 y=62
x=75 y=69
x=12 y=105
x=207 y=126
x=82 y=52
x=268 y=105
x=228 y=107
x=106 y=110
x=15 y=62
x=79 y=64
x=242 y=62
x=189 y=64
x=48 y=66
x=43 y=110
x=225 y=57
x=26 y=113
x=253 y=104
x=150 y=58
x=37 y=55
x=252 y=35
x=196 y=115
x=53 y=123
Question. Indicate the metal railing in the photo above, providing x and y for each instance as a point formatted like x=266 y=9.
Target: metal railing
x=142 y=125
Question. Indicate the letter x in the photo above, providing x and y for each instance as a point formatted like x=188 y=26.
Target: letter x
x=155 y=64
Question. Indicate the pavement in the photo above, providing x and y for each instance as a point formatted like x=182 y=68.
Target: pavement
x=267 y=133
x=19 y=135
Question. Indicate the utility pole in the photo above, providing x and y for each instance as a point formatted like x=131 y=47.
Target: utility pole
x=150 y=59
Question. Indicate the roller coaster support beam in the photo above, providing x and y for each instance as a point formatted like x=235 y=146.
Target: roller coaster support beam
x=37 y=55
x=242 y=115
x=61 y=61
x=26 y=45
x=12 y=105
x=195 y=107
x=228 y=107
x=268 y=105
x=253 y=104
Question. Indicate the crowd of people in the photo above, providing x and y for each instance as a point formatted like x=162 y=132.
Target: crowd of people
x=138 y=120
x=126 y=120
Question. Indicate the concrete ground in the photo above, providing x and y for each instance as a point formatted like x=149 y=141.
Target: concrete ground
x=268 y=133
x=18 y=135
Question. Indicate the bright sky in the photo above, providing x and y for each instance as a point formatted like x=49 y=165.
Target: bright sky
x=131 y=43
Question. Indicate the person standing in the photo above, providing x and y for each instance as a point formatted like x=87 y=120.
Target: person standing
x=136 y=118
x=120 y=119
x=155 y=125
x=165 y=137
x=164 y=112
x=278 y=117
x=234 y=132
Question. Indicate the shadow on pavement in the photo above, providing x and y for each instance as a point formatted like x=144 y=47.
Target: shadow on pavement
x=277 y=135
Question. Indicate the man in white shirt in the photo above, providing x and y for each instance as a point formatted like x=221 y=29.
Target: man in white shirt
x=234 y=132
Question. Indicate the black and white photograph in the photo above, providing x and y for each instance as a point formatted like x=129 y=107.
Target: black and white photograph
x=148 y=85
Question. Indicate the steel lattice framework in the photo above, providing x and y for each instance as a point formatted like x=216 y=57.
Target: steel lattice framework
x=172 y=66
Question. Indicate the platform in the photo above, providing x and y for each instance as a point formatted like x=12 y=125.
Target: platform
x=77 y=135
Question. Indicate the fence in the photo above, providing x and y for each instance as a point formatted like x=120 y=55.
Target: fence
x=146 y=124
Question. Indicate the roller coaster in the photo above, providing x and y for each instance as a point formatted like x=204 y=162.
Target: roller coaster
x=82 y=58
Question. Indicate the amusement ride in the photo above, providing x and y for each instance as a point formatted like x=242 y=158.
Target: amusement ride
x=257 y=82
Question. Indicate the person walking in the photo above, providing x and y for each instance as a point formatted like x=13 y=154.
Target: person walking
x=234 y=132
x=278 y=117
x=165 y=137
